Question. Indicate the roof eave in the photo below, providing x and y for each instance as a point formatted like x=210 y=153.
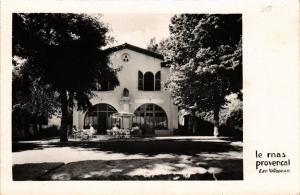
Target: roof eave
x=137 y=49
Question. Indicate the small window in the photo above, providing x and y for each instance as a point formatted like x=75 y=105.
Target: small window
x=125 y=57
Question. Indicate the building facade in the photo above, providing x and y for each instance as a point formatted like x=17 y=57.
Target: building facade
x=141 y=74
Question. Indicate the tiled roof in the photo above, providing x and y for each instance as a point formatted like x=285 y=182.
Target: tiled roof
x=136 y=49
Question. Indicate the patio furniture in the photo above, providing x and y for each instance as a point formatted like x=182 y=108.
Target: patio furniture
x=135 y=131
x=123 y=133
x=75 y=134
x=86 y=134
x=85 y=137
x=83 y=134
x=109 y=132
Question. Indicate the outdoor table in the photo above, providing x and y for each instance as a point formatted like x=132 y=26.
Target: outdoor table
x=119 y=133
x=86 y=134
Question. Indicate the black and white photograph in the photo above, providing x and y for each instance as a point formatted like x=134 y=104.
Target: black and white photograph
x=127 y=96
x=146 y=97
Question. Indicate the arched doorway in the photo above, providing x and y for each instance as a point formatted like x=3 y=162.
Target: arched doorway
x=100 y=117
x=150 y=117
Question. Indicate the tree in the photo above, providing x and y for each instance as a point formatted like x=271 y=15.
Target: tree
x=64 y=52
x=164 y=47
x=152 y=45
x=231 y=114
x=32 y=101
x=205 y=53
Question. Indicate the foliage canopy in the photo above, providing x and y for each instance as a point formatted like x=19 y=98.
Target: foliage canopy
x=205 y=53
x=65 y=52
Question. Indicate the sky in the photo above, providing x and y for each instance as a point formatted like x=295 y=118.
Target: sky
x=137 y=29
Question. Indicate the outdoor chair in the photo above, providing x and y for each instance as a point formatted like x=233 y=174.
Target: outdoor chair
x=127 y=133
x=76 y=134
x=135 y=131
x=84 y=135
x=109 y=132
x=90 y=134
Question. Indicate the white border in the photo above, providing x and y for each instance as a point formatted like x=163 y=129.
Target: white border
x=271 y=94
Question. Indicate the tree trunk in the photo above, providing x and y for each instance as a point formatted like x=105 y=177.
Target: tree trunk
x=216 y=120
x=35 y=122
x=64 y=116
x=71 y=105
x=195 y=124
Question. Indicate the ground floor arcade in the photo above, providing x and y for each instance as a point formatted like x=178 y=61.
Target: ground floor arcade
x=151 y=118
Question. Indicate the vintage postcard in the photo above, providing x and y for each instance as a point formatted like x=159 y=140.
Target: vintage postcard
x=150 y=97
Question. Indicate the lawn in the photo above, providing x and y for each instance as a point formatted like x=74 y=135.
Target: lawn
x=160 y=158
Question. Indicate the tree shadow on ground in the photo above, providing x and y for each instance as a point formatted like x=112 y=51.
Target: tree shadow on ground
x=156 y=147
x=19 y=147
x=150 y=148
x=186 y=159
x=33 y=171
x=142 y=169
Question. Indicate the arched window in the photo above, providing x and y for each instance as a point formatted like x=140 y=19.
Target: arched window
x=141 y=81
x=100 y=117
x=148 y=81
x=150 y=117
x=157 y=81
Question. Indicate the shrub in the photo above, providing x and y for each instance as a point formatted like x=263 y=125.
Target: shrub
x=50 y=131
x=232 y=113
x=231 y=117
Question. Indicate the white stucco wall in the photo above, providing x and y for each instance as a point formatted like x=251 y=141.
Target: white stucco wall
x=128 y=77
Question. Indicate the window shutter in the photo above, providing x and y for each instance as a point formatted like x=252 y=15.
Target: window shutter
x=157 y=81
x=140 y=81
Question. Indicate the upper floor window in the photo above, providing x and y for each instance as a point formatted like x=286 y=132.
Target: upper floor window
x=149 y=82
x=105 y=86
